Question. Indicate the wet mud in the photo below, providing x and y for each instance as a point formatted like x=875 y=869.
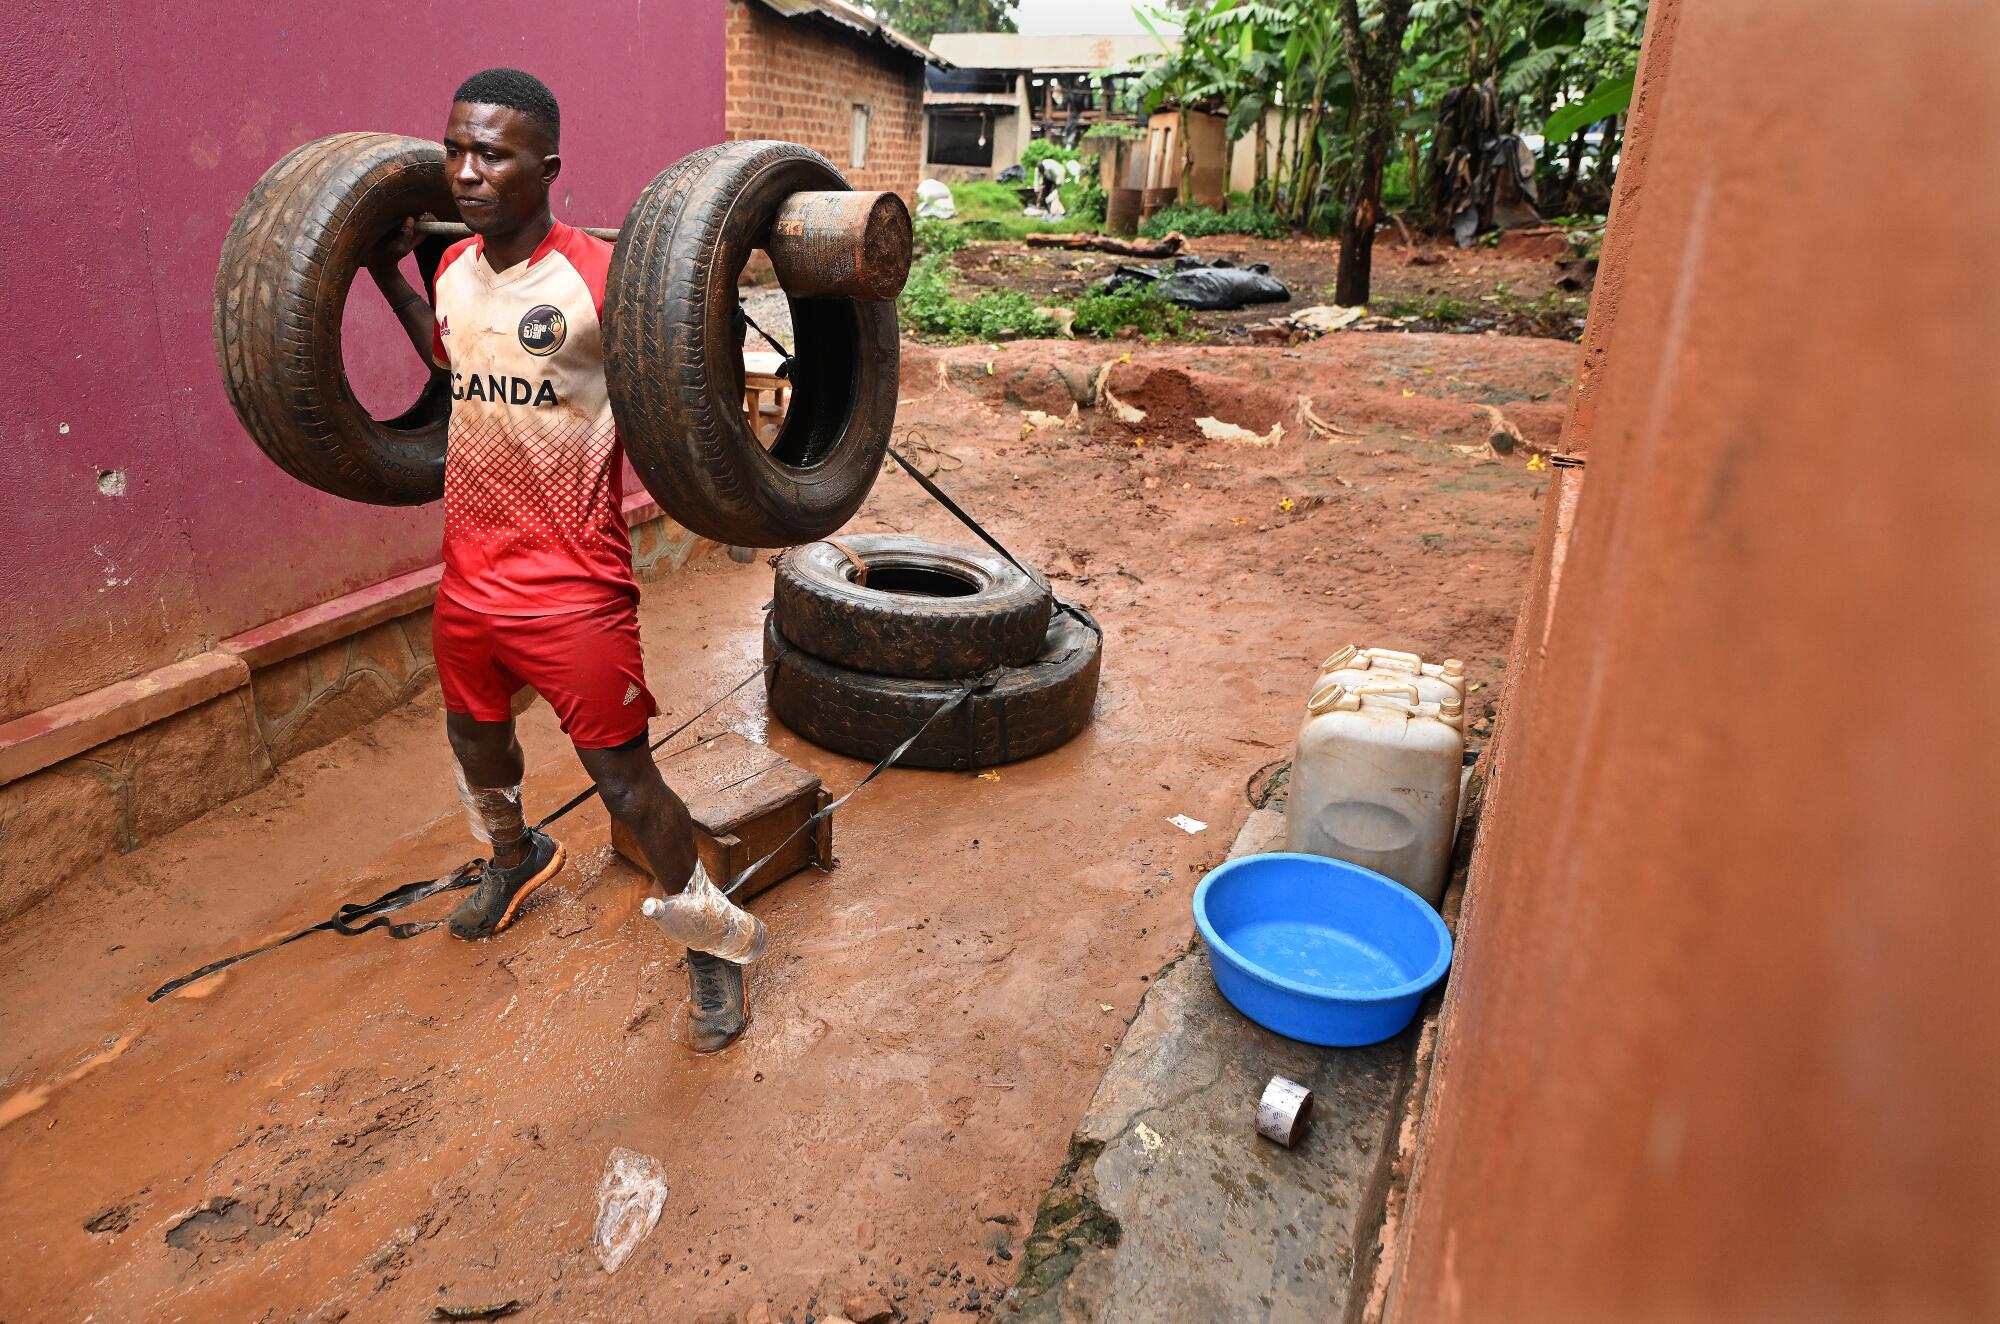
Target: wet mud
x=368 y=1129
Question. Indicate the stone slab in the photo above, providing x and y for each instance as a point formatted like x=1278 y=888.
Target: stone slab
x=1172 y=1207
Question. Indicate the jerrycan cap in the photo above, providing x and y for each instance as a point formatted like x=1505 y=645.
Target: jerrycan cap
x=1330 y=696
x=1339 y=658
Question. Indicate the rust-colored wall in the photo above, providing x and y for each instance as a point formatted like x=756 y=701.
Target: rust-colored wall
x=1721 y=1039
x=141 y=523
x=799 y=79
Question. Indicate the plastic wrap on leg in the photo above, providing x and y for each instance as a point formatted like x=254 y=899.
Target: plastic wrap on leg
x=703 y=918
x=494 y=813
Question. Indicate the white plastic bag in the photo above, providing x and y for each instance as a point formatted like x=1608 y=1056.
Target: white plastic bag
x=629 y=1200
x=934 y=200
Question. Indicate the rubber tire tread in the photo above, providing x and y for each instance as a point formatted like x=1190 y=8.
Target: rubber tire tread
x=280 y=295
x=1029 y=710
x=820 y=609
x=669 y=337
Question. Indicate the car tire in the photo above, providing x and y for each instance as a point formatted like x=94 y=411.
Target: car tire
x=674 y=367
x=925 y=611
x=280 y=293
x=1024 y=711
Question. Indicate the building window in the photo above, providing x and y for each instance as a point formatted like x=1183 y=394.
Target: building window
x=857 y=146
x=960 y=139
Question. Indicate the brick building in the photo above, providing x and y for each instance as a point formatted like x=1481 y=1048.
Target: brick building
x=825 y=74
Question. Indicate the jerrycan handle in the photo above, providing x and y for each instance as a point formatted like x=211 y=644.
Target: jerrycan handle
x=1388 y=687
x=1402 y=661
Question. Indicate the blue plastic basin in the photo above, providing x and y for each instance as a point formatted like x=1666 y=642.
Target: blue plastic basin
x=1319 y=950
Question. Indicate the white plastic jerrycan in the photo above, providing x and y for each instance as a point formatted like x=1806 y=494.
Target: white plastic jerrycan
x=1357 y=668
x=1375 y=781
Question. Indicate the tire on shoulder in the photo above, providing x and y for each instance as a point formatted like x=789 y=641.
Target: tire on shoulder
x=280 y=295
x=675 y=371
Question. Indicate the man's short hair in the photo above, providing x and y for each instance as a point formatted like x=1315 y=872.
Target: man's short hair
x=516 y=91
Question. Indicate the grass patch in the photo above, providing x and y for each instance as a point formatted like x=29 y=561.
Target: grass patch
x=1439 y=308
x=1200 y=222
x=1549 y=315
x=993 y=211
x=929 y=306
x=1106 y=313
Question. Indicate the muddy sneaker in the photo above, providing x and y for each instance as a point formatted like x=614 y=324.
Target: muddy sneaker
x=500 y=892
x=715 y=1001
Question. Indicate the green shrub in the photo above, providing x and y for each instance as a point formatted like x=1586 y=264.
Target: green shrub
x=1084 y=198
x=1114 y=131
x=1396 y=192
x=1041 y=150
x=936 y=236
x=1200 y=222
x=930 y=307
x=1105 y=313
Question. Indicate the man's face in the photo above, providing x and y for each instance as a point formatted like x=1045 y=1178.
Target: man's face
x=500 y=164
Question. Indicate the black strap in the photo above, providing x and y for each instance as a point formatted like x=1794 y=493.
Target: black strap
x=785 y=368
x=585 y=795
x=343 y=919
x=343 y=922
x=939 y=495
x=965 y=691
x=397 y=898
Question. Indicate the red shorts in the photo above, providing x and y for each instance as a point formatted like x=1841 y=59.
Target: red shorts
x=585 y=663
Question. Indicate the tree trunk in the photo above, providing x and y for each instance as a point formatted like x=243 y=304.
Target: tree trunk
x=1607 y=151
x=1257 y=184
x=1373 y=62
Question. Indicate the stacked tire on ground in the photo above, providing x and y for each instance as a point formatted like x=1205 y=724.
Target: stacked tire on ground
x=873 y=634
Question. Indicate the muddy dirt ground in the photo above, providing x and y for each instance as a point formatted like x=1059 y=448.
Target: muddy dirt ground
x=367 y=1129
x=1430 y=285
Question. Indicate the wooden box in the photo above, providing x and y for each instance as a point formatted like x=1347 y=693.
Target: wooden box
x=744 y=800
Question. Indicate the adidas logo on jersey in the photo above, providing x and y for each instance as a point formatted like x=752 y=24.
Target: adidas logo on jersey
x=501 y=390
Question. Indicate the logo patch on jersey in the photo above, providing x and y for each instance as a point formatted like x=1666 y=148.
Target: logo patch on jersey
x=631 y=692
x=543 y=329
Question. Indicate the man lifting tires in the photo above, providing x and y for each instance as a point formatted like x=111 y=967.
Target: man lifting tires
x=538 y=586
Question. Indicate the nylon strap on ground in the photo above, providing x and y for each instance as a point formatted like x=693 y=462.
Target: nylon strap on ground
x=397 y=898
x=939 y=495
x=966 y=691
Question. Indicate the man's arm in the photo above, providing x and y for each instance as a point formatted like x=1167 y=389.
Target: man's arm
x=384 y=264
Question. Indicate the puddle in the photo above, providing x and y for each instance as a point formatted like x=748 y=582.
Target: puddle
x=29 y=1100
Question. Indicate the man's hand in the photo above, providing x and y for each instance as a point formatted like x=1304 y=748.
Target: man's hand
x=383 y=261
x=393 y=247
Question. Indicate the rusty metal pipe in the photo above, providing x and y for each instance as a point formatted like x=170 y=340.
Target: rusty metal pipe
x=823 y=245
x=841 y=245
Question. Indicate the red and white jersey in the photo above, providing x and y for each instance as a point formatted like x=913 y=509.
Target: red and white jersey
x=533 y=523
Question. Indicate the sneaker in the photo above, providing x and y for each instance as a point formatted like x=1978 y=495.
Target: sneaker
x=500 y=892
x=715 y=1001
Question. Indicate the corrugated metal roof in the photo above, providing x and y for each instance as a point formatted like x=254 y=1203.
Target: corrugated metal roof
x=1063 y=52
x=863 y=24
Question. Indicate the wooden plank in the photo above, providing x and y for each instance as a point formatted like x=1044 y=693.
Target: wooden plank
x=744 y=799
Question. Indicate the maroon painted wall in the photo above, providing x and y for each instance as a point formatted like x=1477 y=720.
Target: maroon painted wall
x=133 y=131
x=1720 y=1043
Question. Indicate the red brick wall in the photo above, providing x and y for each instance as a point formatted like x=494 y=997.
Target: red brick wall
x=794 y=78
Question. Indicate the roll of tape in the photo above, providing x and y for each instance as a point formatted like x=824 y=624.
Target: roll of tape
x=1282 y=1112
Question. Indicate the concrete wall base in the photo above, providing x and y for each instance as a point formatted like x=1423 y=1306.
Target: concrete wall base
x=115 y=768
